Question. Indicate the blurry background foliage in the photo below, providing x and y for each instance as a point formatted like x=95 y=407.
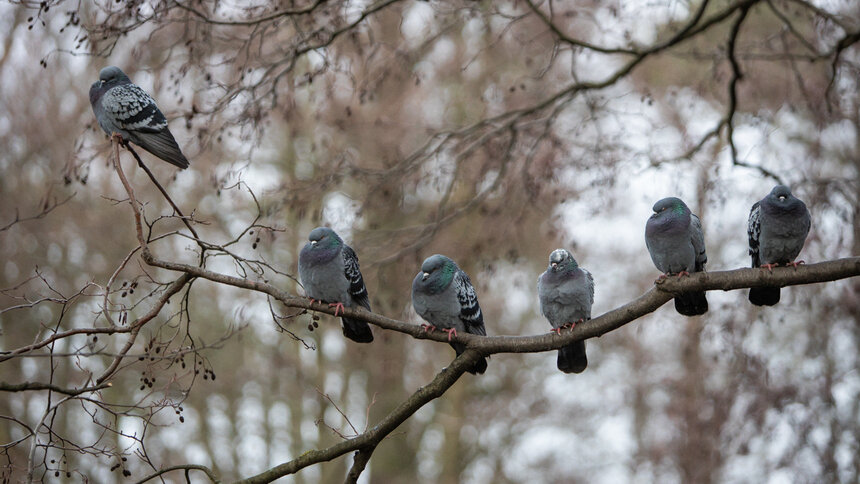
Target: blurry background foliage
x=492 y=132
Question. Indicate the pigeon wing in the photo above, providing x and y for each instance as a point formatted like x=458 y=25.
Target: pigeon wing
x=754 y=232
x=470 y=310
x=351 y=270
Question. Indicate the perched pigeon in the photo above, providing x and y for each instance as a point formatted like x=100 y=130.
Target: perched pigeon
x=677 y=246
x=125 y=109
x=566 y=293
x=329 y=271
x=443 y=295
x=778 y=226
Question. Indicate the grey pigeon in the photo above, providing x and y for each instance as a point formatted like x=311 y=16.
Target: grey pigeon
x=443 y=295
x=566 y=293
x=329 y=272
x=676 y=243
x=777 y=229
x=124 y=108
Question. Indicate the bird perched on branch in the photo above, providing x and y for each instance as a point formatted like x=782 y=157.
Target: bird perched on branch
x=329 y=272
x=676 y=243
x=443 y=295
x=566 y=293
x=777 y=229
x=125 y=109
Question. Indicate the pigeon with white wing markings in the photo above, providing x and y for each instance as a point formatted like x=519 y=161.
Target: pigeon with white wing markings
x=443 y=295
x=329 y=272
x=566 y=293
x=676 y=243
x=123 y=108
x=778 y=226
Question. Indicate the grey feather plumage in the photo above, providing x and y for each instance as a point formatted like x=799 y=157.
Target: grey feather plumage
x=676 y=243
x=566 y=294
x=329 y=272
x=777 y=229
x=124 y=108
x=443 y=295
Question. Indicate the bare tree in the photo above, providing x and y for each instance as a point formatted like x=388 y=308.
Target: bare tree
x=148 y=343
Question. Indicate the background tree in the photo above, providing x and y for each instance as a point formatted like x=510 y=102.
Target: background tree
x=492 y=132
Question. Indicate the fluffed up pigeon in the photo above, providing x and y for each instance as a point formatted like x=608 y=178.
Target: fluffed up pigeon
x=124 y=108
x=566 y=293
x=777 y=229
x=676 y=243
x=443 y=295
x=329 y=272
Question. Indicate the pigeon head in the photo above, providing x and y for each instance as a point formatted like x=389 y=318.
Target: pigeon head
x=671 y=215
x=780 y=200
x=324 y=238
x=436 y=274
x=108 y=77
x=112 y=75
x=671 y=205
x=560 y=260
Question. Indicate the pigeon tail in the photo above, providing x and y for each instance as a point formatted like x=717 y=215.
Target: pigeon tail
x=691 y=303
x=478 y=368
x=764 y=296
x=571 y=358
x=161 y=144
x=357 y=330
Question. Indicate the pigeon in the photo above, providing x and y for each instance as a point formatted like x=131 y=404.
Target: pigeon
x=566 y=293
x=677 y=246
x=443 y=295
x=123 y=108
x=329 y=272
x=777 y=229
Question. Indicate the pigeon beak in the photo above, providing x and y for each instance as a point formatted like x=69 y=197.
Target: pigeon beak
x=782 y=198
x=313 y=243
x=425 y=276
x=554 y=265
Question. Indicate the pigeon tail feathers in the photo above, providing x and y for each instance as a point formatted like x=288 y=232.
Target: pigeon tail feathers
x=478 y=368
x=691 y=303
x=357 y=330
x=572 y=358
x=764 y=296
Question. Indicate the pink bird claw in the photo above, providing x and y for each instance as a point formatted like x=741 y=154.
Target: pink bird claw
x=797 y=263
x=337 y=306
x=769 y=266
x=428 y=328
x=556 y=330
x=682 y=274
x=451 y=332
x=662 y=277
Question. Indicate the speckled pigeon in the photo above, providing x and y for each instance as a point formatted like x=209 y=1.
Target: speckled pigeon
x=443 y=295
x=677 y=246
x=329 y=272
x=124 y=108
x=777 y=229
x=566 y=293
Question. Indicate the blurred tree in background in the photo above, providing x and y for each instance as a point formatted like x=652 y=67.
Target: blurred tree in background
x=492 y=132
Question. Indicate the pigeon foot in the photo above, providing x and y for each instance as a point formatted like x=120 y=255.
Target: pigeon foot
x=769 y=266
x=428 y=328
x=451 y=332
x=796 y=263
x=337 y=306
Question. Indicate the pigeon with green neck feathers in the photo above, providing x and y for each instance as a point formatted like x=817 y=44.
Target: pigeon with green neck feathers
x=566 y=293
x=676 y=243
x=329 y=272
x=443 y=295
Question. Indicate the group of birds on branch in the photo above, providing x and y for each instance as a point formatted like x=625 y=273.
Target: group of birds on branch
x=442 y=293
